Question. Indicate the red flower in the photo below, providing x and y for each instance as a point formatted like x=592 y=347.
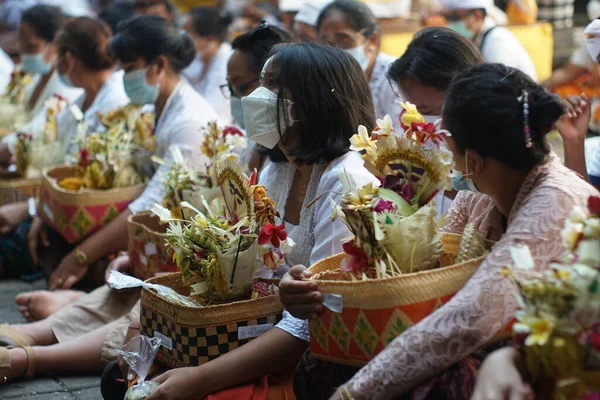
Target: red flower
x=358 y=259
x=84 y=157
x=594 y=340
x=519 y=339
x=428 y=131
x=253 y=178
x=272 y=234
x=594 y=205
x=232 y=130
x=200 y=254
x=384 y=205
x=400 y=119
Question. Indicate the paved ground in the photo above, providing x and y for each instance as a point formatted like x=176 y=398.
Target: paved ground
x=43 y=388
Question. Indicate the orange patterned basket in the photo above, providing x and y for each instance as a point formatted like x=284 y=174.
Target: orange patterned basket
x=376 y=311
x=77 y=214
x=148 y=250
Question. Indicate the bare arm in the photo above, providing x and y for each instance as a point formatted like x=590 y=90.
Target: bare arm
x=567 y=74
x=108 y=240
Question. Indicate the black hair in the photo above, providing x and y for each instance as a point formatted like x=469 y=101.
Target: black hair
x=148 y=37
x=434 y=57
x=484 y=112
x=86 y=38
x=208 y=21
x=115 y=13
x=331 y=99
x=45 y=20
x=358 y=15
x=258 y=42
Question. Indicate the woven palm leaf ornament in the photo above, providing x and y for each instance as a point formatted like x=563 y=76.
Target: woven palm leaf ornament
x=395 y=224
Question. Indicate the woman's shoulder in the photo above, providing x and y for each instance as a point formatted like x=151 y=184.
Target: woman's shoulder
x=192 y=106
x=351 y=164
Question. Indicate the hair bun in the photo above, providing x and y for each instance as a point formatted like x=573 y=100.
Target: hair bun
x=545 y=109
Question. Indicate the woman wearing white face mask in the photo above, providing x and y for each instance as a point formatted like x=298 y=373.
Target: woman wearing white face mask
x=311 y=99
x=37 y=31
x=85 y=335
x=351 y=26
x=209 y=29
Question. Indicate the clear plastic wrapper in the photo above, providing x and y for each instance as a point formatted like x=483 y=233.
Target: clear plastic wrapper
x=140 y=353
x=119 y=281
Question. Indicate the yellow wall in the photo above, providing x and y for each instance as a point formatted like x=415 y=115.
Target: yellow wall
x=537 y=40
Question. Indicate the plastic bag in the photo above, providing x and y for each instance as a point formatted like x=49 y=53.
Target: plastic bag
x=522 y=12
x=140 y=353
x=119 y=281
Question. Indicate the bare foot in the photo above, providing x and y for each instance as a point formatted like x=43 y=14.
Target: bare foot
x=18 y=365
x=41 y=304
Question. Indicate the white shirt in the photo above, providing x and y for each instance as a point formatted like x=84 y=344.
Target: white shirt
x=179 y=125
x=502 y=46
x=6 y=68
x=317 y=236
x=38 y=113
x=592 y=146
x=208 y=85
x=110 y=96
x=12 y=10
x=383 y=91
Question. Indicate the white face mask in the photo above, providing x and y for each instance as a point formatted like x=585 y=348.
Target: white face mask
x=431 y=118
x=260 y=117
x=593 y=9
x=359 y=55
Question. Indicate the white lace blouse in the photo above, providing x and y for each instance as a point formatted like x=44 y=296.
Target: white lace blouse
x=317 y=236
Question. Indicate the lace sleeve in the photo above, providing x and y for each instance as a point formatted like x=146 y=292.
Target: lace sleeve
x=458 y=214
x=479 y=311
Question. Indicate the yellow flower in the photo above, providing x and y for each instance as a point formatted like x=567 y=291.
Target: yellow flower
x=540 y=328
x=410 y=114
x=362 y=140
x=384 y=127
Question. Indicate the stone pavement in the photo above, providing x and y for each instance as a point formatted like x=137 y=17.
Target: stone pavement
x=74 y=387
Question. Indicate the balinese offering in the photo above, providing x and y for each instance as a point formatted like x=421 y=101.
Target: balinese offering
x=218 y=251
x=132 y=119
x=13 y=113
x=34 y=153
x=105 y=177
x=559 y=321
x=398 y=268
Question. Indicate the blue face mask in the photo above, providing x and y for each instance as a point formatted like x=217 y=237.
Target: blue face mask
x=359 y=55
x=35 y=64
x=461 y=28
x=461 y=182
x=138 y=90
x=237 y=111
x=65 y=80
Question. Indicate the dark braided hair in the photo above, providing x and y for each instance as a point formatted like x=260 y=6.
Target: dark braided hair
x=483 y=112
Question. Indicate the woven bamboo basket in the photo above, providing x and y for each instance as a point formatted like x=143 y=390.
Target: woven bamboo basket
x=192 y=336
x=148 y=250
x=77 y=214
x=376 y=311
x=13 y=190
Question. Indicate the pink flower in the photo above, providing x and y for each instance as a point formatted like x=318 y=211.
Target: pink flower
x=200 y=254
x=357 y=259
x=384 y=205
x=428 y=131
x=84 y=157
x=594 y=339
x=272 y=234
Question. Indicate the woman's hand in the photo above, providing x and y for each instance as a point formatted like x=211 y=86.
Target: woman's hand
x=68 y=273
x=300 y=298
x=12 y=215
x=121 y=264
x=126 y=372
x=573 y=125
x=36 y=234
x=500 y=379
x=178 y=384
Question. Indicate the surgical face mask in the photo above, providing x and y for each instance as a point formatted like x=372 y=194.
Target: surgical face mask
x=431 y=118
x=462 y=182
x=65 y=80
x=237 y=111
x=593 y=9
x=260 y=116
x=460 y=27
x=138 y=90
x=35 y=64
x=359 y=55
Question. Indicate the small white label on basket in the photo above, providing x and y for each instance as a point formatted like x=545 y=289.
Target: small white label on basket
x=48 y=212
x=252 y=331
x=165 y=341
x=150 y=249
x=143 y=259
x=334 y=302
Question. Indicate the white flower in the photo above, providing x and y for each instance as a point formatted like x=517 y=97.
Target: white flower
x=236 y=142
x=362 y=140
x=571 y=234
x=287 y=246
x=384 y=126
x=579 y=214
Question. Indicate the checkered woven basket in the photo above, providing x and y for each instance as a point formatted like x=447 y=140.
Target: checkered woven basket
x=376 y=311
x=16 y=190
x=192 y=336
